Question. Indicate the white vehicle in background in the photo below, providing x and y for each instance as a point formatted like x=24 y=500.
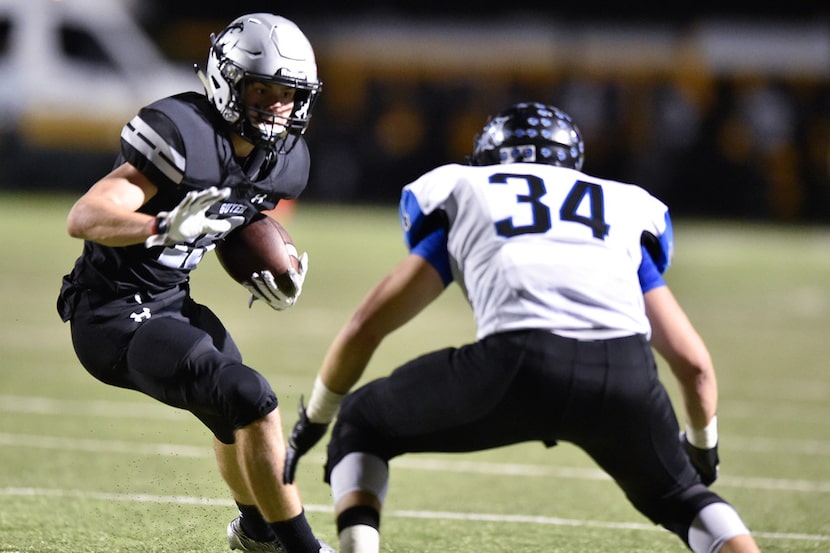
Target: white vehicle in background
x=72 y=72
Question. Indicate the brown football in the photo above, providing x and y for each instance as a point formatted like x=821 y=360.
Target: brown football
x=260 y=245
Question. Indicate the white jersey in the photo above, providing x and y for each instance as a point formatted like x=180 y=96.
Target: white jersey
x=539 y=246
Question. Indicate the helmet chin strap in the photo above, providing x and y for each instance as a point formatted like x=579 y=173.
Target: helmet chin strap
x=205 y=82
x=272 y=130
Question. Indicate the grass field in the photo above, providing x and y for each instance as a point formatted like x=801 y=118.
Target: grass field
x=85 y=468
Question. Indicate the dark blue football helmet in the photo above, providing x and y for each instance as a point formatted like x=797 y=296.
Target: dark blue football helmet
x=530 y=132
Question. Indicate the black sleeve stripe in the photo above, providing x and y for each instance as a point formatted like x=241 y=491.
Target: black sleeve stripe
x=162 y=155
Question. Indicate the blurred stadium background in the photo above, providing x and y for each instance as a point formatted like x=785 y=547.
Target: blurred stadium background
x=722 y=113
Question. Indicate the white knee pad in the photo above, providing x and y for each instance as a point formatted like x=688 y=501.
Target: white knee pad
x=360 y=472
x=713 y=526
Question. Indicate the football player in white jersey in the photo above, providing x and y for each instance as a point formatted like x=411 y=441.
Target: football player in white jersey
x=563 y=272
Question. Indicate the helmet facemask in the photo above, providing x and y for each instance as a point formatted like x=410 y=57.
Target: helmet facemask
x=269 y=129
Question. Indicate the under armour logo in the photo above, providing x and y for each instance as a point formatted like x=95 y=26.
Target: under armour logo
x=259 y=198
x=143 y=315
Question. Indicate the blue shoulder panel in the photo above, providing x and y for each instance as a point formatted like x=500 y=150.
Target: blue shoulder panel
x=426 y=235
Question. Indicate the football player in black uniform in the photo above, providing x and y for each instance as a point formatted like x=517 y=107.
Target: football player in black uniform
x=193 y=167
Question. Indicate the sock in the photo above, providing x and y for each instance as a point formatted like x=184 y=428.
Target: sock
x=253 y=524
x=359 y=539
x=295 y=534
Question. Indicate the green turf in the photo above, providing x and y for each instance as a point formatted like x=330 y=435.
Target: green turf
x=88 y=468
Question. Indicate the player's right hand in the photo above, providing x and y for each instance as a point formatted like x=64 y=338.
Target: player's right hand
x=263 y=286
x=304 y=436
x=189 y=219
x=705 y=461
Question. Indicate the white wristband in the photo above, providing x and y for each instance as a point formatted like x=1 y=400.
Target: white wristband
x=705 y=438
x=323 y=403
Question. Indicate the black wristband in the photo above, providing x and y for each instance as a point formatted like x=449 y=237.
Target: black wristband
x=161 y=225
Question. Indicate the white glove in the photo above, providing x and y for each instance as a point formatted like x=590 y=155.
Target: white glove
x=189 y=220
x=264 y=287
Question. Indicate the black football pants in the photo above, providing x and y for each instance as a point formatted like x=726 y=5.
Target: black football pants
x=172 y=349
x=603 y=396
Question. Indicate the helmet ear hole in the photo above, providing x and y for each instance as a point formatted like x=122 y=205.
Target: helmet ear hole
x=530 y=132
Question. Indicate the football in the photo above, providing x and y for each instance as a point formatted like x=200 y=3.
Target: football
x=263 y=244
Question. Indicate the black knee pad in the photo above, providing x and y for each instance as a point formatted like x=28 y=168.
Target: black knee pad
x=234 y=397
x=244 y=394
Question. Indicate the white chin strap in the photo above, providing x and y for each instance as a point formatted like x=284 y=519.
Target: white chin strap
x=205 y=83
x=270 y=130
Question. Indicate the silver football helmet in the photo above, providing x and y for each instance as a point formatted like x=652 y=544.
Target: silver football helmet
x=530 y=132
x=268 y=48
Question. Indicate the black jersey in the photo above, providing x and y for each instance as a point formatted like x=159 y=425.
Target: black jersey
x=180 y=143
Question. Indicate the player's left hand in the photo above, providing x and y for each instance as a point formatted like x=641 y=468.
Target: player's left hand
x=264 y=287
x=705 y=461
x=189 y=219
x=304 y=436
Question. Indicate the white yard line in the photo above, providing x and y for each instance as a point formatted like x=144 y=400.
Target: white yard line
x=156 y=411
x=399 y=513
x=442 y=465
